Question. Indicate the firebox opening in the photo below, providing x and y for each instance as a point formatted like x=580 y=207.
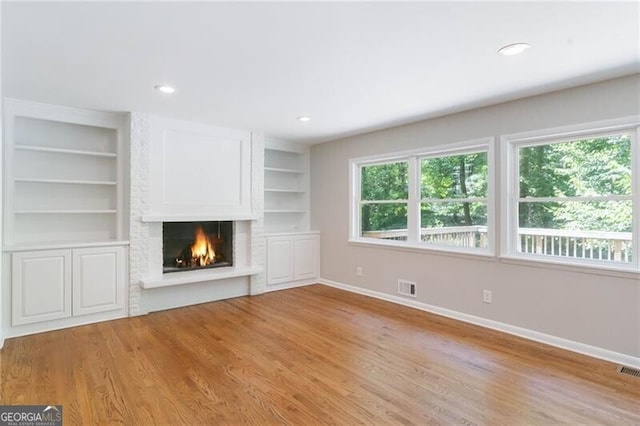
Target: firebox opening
x=196 y=245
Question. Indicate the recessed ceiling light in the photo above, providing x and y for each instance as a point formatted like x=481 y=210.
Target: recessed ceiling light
x=164 y=89
x=513 y=49
x=304 y=118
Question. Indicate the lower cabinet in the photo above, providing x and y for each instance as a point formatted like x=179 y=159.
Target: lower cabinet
x=54 y=284
x=41 y=286
x=292 y=257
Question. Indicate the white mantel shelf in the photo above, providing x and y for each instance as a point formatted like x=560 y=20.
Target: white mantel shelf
x=190 y=277
x=196 y=218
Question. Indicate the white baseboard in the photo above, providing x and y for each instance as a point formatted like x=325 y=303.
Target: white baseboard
x=1 y=339
x=288 y=285
x=548 y=339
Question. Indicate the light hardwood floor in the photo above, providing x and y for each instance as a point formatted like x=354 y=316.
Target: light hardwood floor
x=306 y=356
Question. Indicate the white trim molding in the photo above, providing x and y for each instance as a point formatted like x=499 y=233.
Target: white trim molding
x=536 y=336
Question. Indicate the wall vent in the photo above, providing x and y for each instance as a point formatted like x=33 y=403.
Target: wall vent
x=630 y=371
x=407 y=288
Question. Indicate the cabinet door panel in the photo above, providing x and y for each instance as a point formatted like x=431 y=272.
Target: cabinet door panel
x=305 y=254
x=41 y=286
x=279 y=260
x=97 y=280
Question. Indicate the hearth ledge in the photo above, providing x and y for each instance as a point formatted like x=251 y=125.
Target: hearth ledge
x=190 y=277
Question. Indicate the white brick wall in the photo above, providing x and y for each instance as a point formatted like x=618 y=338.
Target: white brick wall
x=139 y=233
x=146 y=237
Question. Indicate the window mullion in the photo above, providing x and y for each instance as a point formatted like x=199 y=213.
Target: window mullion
x=635 y=203
x=413 y=206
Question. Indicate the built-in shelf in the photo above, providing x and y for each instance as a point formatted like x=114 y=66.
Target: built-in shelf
x=63 y=174
x=286 y=181
x=293 y=191
x=65 y=151
x=64 y=232
x=285 y=211
x=283 y=170
x=65 y=211
x=190 y=277
x=66 y=181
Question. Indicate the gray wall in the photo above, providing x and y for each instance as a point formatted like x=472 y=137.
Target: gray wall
x=601 y=310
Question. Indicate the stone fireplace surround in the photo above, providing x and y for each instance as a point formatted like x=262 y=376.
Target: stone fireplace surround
x=148 y=289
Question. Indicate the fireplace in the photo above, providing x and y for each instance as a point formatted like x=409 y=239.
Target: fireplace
x=188 y=246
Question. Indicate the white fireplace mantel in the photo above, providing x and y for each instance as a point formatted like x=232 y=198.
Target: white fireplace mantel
x=150 y=218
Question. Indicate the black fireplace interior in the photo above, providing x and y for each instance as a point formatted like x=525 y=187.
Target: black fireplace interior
x=196 y=245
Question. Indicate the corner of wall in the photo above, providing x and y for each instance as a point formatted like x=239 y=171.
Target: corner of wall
x=258 y=282
x=1 y=184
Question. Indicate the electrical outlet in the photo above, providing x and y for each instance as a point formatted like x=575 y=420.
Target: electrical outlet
x=407 y=288
x=487 y=296
x=358 y=271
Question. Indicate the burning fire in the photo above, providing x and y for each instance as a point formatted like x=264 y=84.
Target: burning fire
x=202 y=253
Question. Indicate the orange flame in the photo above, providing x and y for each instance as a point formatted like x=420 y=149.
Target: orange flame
x=202 y=251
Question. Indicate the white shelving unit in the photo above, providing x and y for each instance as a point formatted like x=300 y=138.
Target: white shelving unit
x=64 y=216
x=293 y=250
x=286 y=187
x=63 y=175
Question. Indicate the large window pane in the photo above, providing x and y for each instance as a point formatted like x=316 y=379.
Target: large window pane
x=386 y=221
x=458 y=176
x=588 y=167
x=385 y=182
x=459 y=224
x=598 y=230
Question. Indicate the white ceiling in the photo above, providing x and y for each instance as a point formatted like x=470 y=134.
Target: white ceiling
x=352 y=67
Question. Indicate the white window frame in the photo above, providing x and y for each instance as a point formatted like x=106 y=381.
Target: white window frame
x=510 y=186
x=413 y=158
x=407 y=201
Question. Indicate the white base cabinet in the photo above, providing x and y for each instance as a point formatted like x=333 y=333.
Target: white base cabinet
x=279 y=261
x=41 y=287
x=97 y=280
x=53 y=284
x=293 y=257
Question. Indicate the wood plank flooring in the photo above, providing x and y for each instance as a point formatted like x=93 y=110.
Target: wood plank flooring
x=307 y=356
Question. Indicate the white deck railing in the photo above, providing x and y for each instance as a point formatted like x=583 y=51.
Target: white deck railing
x=615 y=246
x=599 y=245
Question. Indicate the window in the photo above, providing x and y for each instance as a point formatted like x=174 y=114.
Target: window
x=569 y=196
x=573 y=197
x=453 y=205
x=384 y=197
x=436 y=198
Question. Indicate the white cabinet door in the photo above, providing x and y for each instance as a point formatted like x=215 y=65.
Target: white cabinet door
x=41 y=286
x=306 y=249
x=279 y=261
x=98 y=280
